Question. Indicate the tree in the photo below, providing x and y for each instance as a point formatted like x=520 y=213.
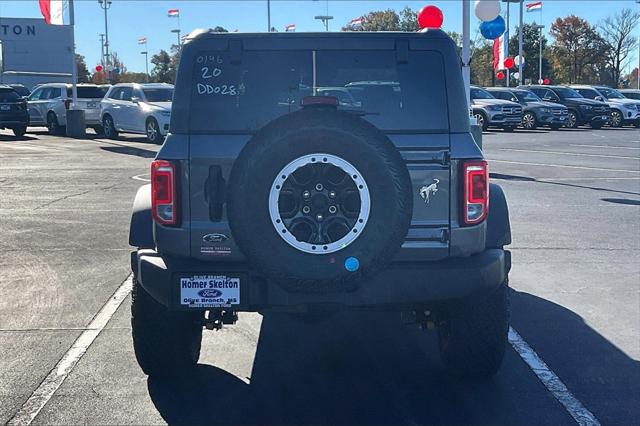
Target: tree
x=578 y=51
x=617 y=33
x=385 y=20
x=482 y=64
x=409 y=20
x=162 y=71
x=132 y=77
x=631 y=79
x=83 y=71
x=531 y=52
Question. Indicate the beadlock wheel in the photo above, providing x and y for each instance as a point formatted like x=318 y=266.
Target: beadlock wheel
x=319 y=203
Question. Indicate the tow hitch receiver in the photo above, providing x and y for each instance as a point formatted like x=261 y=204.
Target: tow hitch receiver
x=215 y=319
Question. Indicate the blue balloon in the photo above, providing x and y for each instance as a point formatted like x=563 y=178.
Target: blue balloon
x=491 y=30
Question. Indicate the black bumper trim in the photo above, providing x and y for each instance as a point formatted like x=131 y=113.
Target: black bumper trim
x=402 y=284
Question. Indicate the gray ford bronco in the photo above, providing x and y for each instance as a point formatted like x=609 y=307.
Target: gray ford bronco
x=272 y=193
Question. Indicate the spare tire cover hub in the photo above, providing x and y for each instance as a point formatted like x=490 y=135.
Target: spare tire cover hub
x=319 y=203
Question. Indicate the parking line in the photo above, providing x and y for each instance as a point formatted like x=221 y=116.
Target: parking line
x=605 y=146
x=577 y=154
x=580 y=414
x=563 y=166
x=43 y=393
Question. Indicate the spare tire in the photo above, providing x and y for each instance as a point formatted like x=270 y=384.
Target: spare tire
x=318 y=200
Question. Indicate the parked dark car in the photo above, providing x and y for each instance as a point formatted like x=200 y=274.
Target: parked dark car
x=318 y=206
x=631 y=93
x=21 y=89
x=13 y=111
x=581 y=110
x=536 y=111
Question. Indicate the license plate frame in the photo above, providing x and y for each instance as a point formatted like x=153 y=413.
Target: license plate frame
x=5 y=107
x=209 y=290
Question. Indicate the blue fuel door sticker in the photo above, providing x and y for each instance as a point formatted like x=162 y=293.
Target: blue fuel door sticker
x=351 y=264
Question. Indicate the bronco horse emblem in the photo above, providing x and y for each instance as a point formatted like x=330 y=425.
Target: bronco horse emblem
x=428 y=190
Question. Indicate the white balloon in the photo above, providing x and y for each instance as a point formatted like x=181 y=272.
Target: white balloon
x=487 y=10
x=516 y=75
x=517 y=59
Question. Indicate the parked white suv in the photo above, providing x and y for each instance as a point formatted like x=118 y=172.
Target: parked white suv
x=138 y=108
x=48 y=105
x=623 y=110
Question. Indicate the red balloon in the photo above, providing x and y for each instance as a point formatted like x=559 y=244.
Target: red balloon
x=546 y=81
x=509 y=63
x=500 y=75
x=98 y=68
x=430 y=17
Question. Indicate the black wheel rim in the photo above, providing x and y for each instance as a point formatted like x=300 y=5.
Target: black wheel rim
x=319 y=203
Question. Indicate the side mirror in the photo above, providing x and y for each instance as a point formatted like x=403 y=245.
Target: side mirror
x=135 y=100
x=599 y=98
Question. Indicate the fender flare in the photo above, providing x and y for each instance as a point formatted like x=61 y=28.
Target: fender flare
x=498 y=225
x=141 y=225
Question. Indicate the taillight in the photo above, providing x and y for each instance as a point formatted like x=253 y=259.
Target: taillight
x=164 y=201
x=475 y=178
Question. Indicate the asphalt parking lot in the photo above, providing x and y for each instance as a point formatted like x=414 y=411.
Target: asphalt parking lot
x=574 y=197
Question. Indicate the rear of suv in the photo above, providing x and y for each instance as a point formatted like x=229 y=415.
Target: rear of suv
x=13 y=111
x=581 y=110
x=138 y=108
x=48 y=105
x=270 y=194
x=493 y=112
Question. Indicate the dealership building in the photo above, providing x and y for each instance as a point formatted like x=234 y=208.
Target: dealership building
x=32 y=52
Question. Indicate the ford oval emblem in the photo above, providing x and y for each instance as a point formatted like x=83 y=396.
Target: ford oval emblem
x=210 y=293
x=214 y=238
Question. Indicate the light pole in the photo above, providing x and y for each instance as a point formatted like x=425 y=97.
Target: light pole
x=105 y=5
x=178 y=32
x=325 y=18
x=268 y=16
x=539 y=27
x=102 y=50
x=146 y=62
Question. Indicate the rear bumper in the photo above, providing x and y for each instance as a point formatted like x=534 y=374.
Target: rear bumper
x=402 y=285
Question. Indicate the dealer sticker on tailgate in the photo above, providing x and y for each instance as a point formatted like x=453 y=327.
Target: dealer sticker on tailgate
x=209 y=291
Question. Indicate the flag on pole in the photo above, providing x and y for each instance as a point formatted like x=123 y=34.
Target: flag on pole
x=499 y=49
x=174 y=13
x=52 y=11
x=290 y=28
x=357 y=22
x=142 y=40
x=534 y=6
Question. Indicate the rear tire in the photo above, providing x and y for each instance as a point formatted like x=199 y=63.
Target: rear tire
x=53 y=125
x=19 y=131
x=166 y=344
x=473 y=339
x=109 y=127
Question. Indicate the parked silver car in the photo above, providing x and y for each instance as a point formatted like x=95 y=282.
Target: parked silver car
x=138 y=108
x=492 y=112
x=623 y=110
x=48 y=105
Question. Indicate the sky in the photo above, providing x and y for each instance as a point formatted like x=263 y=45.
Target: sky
x=130 y=20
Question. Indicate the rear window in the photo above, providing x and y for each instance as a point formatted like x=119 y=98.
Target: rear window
x=245 y=95
x=88 y=92
x=8 y=95
x=158 y=94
